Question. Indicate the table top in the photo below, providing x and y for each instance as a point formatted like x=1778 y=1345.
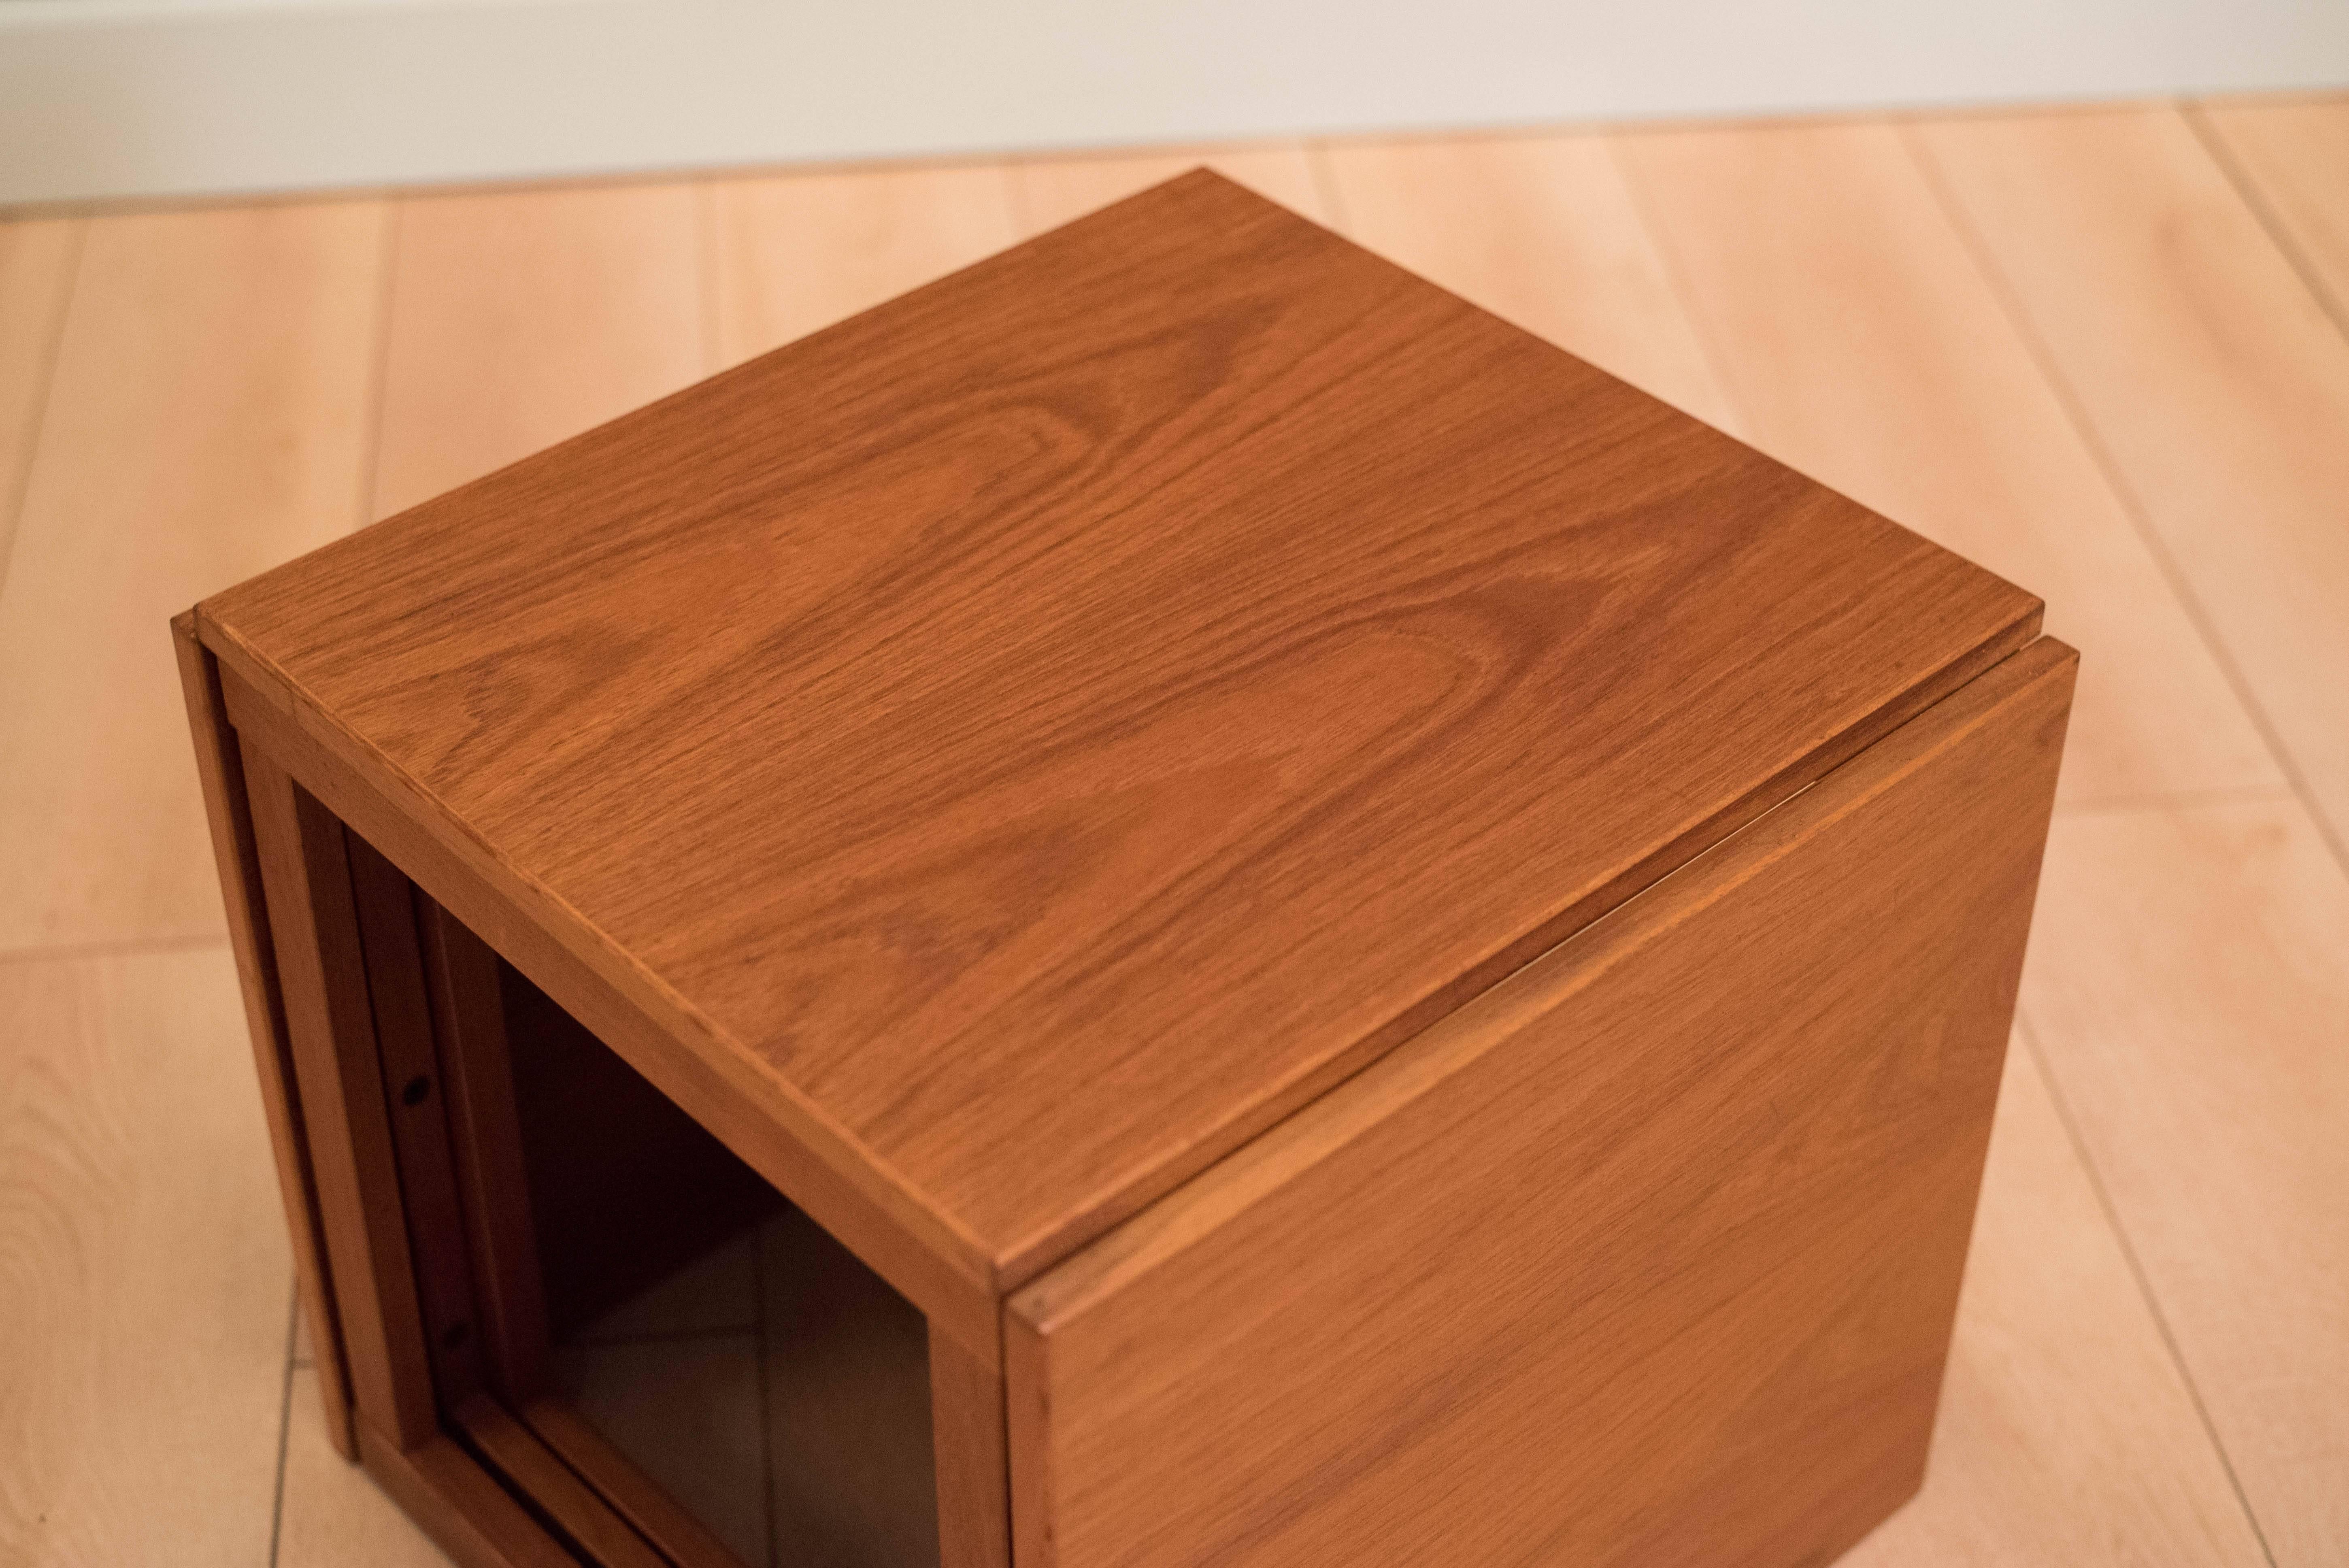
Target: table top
x=1058 y=722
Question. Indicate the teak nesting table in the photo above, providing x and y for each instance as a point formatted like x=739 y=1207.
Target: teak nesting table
x=1307 y=932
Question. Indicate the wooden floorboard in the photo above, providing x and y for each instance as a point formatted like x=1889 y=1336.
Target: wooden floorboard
x=1047 y=191
x=1862 y=347
x=205 y=420
x=2188 y=982
x=143 y=1267
x=2212 y=377
x=2292 y=160
x=2101 y=351
x=790 y=253
x=1543 y=231
x=2066 y=1434
x=36 y=264
x=519 y=318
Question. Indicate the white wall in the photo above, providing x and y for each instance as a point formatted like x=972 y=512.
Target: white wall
x=145 y=97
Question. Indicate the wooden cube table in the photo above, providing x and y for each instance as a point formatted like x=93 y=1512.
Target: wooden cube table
x=1304 y=930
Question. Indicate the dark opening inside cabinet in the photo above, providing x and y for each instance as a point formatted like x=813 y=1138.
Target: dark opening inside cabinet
x=625 y=1324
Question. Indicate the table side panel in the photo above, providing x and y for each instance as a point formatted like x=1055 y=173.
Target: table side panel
x=220 y=768
x=1649 y=1254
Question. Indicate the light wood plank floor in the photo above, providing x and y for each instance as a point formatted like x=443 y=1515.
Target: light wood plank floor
x=2104 y=352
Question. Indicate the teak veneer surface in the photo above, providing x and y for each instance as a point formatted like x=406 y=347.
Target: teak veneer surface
x=1647 y=1257
x=1047 y=727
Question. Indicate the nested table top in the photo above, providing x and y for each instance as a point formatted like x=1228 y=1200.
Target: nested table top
x=1052 y=725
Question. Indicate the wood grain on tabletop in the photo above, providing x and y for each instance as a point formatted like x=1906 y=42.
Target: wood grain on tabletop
x=143 y=1266
x=206 y=420
x=2206 y=370
x=1047 y=192
x=36 y=264
x=2067 y=1432
x=2295 y=157
x=1543 y=231
x=2190 y=985
x=1863 y=346
x=794 y=253
x=1173 y=1399
x=1196 y=688
x=519 y=318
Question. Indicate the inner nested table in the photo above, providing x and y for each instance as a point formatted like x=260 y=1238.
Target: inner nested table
x=1176 y=900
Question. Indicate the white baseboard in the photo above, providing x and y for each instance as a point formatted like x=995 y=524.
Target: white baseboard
x=111 y=98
